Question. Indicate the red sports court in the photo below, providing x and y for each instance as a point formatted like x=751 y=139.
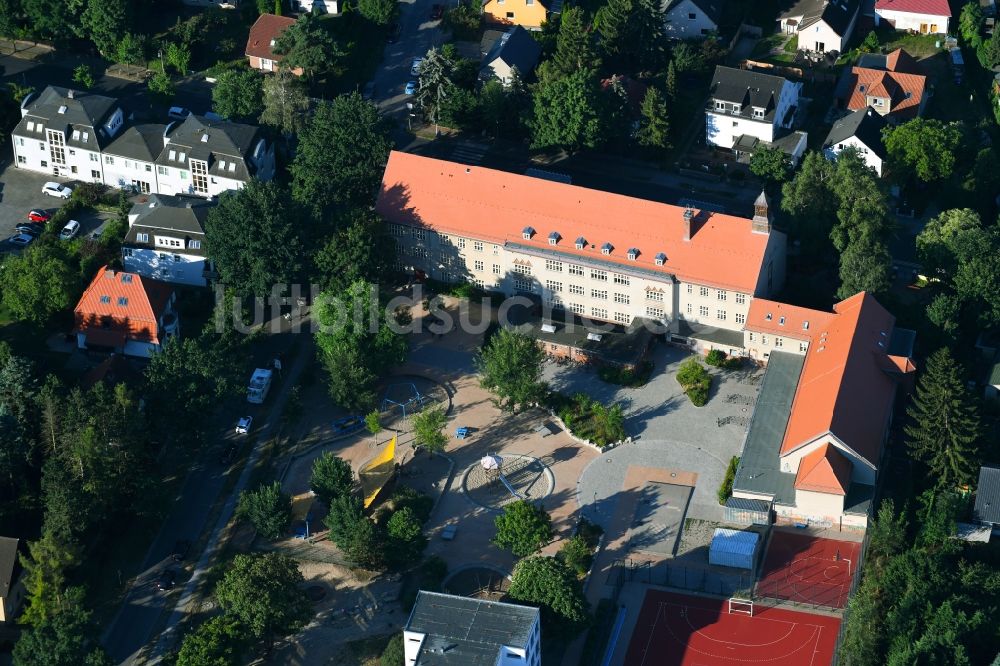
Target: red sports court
x=807 y=569
x=681 y=630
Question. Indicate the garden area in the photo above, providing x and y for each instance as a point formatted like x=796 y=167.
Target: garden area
x=588 y=419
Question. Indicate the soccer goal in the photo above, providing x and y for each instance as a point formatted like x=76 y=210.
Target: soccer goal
x=737 y=605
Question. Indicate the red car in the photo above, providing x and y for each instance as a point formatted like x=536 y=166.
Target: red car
x=39 y=216
x=437 y=11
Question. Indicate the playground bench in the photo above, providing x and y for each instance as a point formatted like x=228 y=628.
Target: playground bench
x=462 y=433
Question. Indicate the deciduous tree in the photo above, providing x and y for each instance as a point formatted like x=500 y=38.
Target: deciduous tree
x=105 y=21
x=266 y=508
x=510 y=366
x=771 y=164
x=428 y=429
x=309 y=45
x=944 y=429
x=523 y=528
x=569 y=112
x=237 y=94
x=970 y=22
x=924 y=148
x=67 y=638
x=332 y=477
x=550 y=584
x=406 y=538
x=285 y=102
x=865 y=265
x=40 y=282
x=948 y=237
x=359 y=250
x=263 y=593
x=380 y=12
x=220 y=641
x=178 y=56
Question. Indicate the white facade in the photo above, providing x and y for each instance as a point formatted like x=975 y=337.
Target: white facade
x=724 y=124
x=318 y=6
x=922 y=23
x=870 y=158
x=820 y=37
x=122 y=172
x=61 y=150
x=686 y=20
x=166 y=264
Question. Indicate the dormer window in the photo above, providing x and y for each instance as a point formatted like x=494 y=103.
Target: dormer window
x=758 y=113
x=805 y=326
x=660 y=259
x=768 y=317
x=781 y=321
x=204 y=138
x=172 y=155
x=232 y=167
x=554 y=238
x=30 y=126
x=581 y=243
x=222 y=164
x=86 y=137
x=123 y=301
x=527 y=233
x=606 y=248
x=126 y=279
x=633 y=254
x=76 y=135
x=62 y=110
x=861 y=88
x=105 y=299
x=182 y=157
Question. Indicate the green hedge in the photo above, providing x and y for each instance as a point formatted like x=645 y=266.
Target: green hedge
x=632 y=378
x=695 y=380
x=726 y=489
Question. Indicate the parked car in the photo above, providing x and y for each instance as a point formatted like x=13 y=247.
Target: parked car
x=39 y=216
x=243 y=425
x=437 y=12
x=411 y=88
x=178 y=113
x=29 y=229
x=392 y=34
x=56 y=190
x=180 y=551
x=415 y=66
x=166 y=580
x=70 y=230
x=20 y=240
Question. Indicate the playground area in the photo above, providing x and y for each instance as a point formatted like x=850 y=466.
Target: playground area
x=681 y=630
x=807 y=569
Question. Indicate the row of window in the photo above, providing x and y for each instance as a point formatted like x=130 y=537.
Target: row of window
x=720 y=294
x=778 y=341
x=162 y=241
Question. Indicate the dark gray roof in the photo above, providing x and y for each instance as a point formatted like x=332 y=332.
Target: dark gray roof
x=747 y=89
x=467 y=632
x=226 y=142
x=759 y=463
x=81 y=111
x=865 y=125
x=711 y=8
x=838 y=14
x=515 y=48
x=859 y=499
x=722 y=336
x=176 y=216
x=9 y=566
x=987 y=509
x=142 y=142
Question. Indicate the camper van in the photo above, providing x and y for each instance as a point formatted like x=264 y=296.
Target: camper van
x=260 y=384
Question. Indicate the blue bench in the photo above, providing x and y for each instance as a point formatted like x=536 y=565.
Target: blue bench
x=462 y=433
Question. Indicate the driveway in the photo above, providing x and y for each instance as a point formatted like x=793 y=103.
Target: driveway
x=417 y=35
x=21 y=191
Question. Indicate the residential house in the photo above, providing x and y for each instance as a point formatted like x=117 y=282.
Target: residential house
x=317 y=6
x=583 y=252
x=130 y=160
x=862 y=131
x=62 y=132
x=928 y=17
x=166 y=240
x=987 y=508
x=817 y=437
x=890 y=84
x=690 y=19
x=748 y=110
x=260 y=44
x=449 y=629
x=11 y=582
x=207 y=157
x=125 y=313
x=515 y=50
x=821 y=25
x=528 y=14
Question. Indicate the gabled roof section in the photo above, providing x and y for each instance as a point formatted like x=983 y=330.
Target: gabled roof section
x=711 y=8
x=901 y=61
x=515 y=48
x=791 y=321
x=266 y=29
x=748 y=89
x=172 y=213
x=905 y=91
x=480 y=203
x=929 y=7
x=987 y=509
x=837 y=14
x=120 y=304
x=67 y=110
x=825 y=470
x=865 y=125
x=141 y=142
x=845 y=388
x=219 y=142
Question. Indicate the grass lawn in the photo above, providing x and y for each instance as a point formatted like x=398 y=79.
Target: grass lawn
x=363 y=43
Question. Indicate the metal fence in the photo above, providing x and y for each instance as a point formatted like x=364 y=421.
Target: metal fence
x=689 y=576
x=855 y=581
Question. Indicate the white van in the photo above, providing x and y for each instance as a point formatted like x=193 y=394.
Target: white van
x=70 y=230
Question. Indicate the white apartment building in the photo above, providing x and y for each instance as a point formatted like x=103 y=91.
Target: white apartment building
x=821 y=25
x=471 y=631
x=80 y=136
x=601 y=256
x=63 y=132
x=166 y=240
x=746 y=103
x=860 y=130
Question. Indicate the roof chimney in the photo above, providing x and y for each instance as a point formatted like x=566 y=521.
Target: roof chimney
x=688 y=216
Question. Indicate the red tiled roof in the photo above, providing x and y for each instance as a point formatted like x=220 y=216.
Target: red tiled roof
x=825 y=470
x=891 y=85
x=267 y=28
x=496 y=206
x=119 y=305
x=790 y=321
x=930 y=7
x=901 y=61
x=844 y=388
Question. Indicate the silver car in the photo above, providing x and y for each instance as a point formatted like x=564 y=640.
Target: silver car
x=54 y=189
x=243 y=425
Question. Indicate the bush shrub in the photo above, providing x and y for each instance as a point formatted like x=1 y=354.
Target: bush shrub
x=463 y=22
x=726 y=489
x=695 y=380
x=588 y=419
x=715 y=358
x=577 y=555
x=632 y=378
x=393 y=654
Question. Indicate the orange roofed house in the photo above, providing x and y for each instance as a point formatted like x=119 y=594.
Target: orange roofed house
x=528 y=14
x=817 y=437
x=125 y=313
x=594 y=254
x=260 y=43
x=891 y=84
